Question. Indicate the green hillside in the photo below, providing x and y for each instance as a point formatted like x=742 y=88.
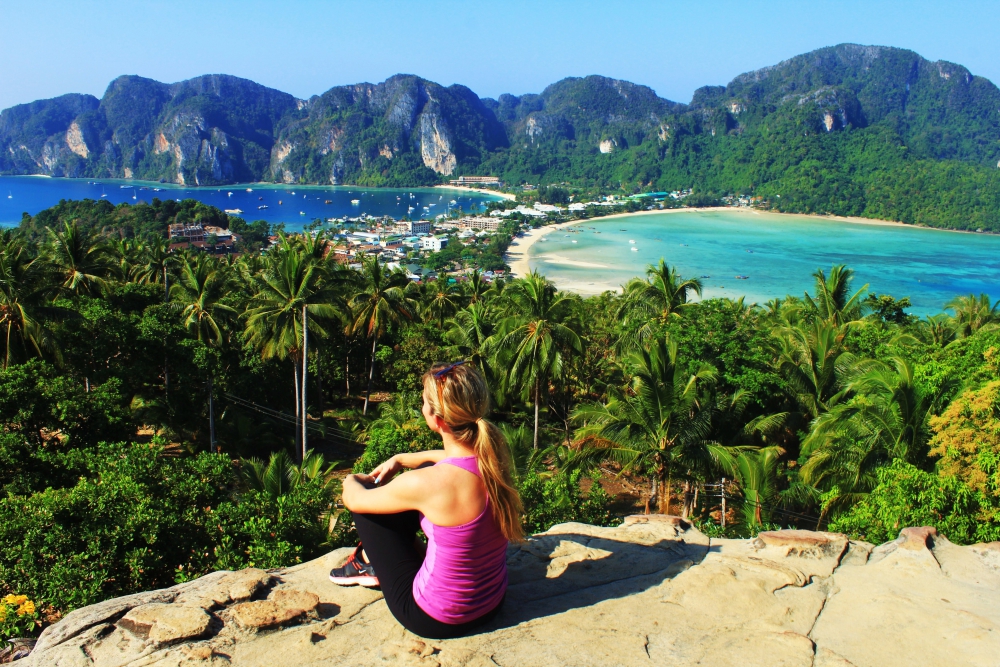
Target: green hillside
x=849 y=130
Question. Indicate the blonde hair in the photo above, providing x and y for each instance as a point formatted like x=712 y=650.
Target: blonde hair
x=459 y=395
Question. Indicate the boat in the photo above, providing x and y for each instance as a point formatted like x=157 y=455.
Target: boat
x=409 y=210
x=260 y=199
x=249 y=189
x=262 y=207
x=229 y=194
x=302 y=212
x=157 y=189
x=453 y=202
x=293 y=192
x=573 y=241
x=355 y=201
x=634 y=249
x=632 y=241
x=280 y=202
x=327 y=201
x=233 y=211
x=743 y=277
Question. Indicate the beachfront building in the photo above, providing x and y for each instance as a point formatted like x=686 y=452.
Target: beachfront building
x=182 y=232
x=412 y=227
x=475 y=180
x=433 y=243
x=483 y=223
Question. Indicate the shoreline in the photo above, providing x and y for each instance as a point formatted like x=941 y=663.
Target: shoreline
x=519 y=260
x=483 y=191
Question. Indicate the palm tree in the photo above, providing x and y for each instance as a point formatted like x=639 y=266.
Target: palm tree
x=379 y=302
x=442 y=300
x=756 y=472
x=662 y=420
x=476 y=289
x=662 y=295
x=154 y=262
x=290 y=284
x=80 y=259
x=834 y=301
x=24 y=285
x=538 y=332
x=200 y=292
x=938 y=330
x=808 y=359
x=471 y=331
x=280 y=475
x=885 y=418
x=973 y=313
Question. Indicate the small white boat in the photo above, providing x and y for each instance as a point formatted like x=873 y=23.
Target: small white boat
x=293 y=192
x=249 y=189
x=229 y=194
x=409 y=209
x=632 y=241
x=156 y=189
x=573 y=241
x=355 y=201
x=453 y=202
x=634 y=249
x=262 y=207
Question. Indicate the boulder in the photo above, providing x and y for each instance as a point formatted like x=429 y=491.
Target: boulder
x=653 y=590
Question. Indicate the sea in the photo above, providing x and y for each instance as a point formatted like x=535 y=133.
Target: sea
x=295 y=206
x=763 y=256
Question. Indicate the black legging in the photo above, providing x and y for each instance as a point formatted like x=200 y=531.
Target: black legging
x=389 y=541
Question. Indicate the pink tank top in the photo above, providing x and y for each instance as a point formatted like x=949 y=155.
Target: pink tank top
x=464 y=574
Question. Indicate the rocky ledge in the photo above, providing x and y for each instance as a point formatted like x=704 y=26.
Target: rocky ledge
x=653 y=591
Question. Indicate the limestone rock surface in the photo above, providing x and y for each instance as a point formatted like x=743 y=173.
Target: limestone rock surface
x=653 y=591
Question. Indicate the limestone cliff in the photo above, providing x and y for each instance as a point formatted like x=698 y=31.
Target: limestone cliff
x=653 y=591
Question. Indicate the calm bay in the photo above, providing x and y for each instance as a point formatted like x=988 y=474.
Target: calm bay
x=774 y=254
x=299 y=205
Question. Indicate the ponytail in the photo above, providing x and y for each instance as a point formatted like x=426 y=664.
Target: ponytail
x=458 y=394
x=495 y=464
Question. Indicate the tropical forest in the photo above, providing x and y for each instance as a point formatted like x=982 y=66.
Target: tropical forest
x=169 y=414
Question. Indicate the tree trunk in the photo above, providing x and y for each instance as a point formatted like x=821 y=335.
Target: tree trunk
x=651 y=500
x=319 y=387
x=537 y=389
x=298 y=408
x=371 y=376
x=686 y=509
x=665 y=494
x=305 y=385
x=347 y=373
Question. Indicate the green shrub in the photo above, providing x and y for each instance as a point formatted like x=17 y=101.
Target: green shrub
x=384 y=442
x=558 y=499
x=907 y=496
x=139 y=521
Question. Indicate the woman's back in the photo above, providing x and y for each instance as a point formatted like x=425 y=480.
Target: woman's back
x=464 y=574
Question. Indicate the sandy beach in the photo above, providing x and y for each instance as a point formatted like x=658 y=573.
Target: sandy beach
x=517 y=253
x=482 y=191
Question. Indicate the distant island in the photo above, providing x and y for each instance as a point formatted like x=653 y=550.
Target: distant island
x=866 y=131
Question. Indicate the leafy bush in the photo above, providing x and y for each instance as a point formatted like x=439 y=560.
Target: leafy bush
x=138 y=521
x=907 y=496
x=558 y=499
x=19 y=617
x=384 y=442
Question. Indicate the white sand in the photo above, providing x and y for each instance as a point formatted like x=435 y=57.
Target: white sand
x=517 y=253
x=483 y=191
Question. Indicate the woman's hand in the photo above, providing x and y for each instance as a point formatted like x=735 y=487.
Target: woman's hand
x=386 y=471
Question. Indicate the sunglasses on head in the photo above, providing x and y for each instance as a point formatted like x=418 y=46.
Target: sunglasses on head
x=447 y=369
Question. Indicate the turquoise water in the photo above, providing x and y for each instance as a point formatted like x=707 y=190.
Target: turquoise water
x=300 y=204
x=777 y=253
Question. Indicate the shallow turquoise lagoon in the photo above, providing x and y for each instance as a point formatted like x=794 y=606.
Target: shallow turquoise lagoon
x=776 y=253
x=298 y=205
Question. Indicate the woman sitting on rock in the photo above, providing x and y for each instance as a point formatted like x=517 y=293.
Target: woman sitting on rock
x=462 y=497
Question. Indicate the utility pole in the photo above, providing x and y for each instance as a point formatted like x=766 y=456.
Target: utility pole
x=305 y=369
x=723 y=490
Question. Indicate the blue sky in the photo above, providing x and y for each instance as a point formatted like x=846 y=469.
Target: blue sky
x=305 y=47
